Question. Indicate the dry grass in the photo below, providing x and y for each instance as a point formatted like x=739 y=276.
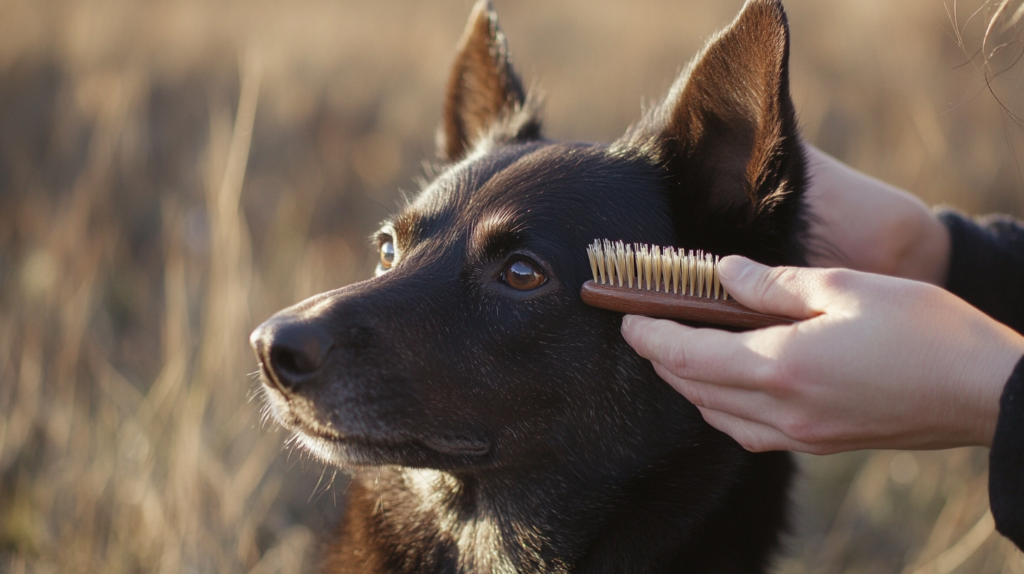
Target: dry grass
x=173 y=172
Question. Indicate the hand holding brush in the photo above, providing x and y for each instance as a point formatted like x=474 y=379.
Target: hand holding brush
x=873 y=362
x=668 y=283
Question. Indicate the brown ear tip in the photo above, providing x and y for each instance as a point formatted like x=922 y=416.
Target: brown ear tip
x=483 y=9
x=769 y=17
x=772 y=8
x=771 y=4
x=482 y=25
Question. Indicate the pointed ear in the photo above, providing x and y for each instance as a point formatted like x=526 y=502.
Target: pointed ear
x=727 y=130
x=484 y=94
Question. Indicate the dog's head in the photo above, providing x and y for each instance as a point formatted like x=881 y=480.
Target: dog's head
x=471 y=348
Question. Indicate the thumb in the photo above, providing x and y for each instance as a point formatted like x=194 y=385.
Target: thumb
x=787 y=291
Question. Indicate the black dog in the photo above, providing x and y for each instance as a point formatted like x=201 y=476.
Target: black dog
x=509 y=427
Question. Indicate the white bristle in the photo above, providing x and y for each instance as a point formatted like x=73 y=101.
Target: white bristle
x=647 y=267
x=593 y=262
x=691 y=271
x=683 y=271
x=709 y=268
x=620 y=262
x=675 y=271
x=709 y=279
x=618 y=265
x=630 y=266
x=654 y=268
x=609 y=261
x=699 y=264
x=666 y=269
x=712 y=276
x=640 y=265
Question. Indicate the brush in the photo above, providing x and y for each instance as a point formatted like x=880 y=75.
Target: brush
x=667 y=283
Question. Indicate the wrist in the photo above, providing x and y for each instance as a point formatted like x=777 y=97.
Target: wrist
x=991 y=371
x=869 y=225
x=926 y=254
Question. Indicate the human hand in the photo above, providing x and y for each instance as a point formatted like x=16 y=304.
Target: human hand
x=869 y=225
x=877 y=362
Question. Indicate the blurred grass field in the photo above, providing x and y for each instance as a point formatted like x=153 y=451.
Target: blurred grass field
x=172 y=172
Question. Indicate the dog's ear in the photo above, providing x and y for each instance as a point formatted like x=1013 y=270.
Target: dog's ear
x=727 y=133
x=484 y=96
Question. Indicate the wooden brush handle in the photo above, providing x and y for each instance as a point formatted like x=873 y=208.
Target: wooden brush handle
x=671 y=306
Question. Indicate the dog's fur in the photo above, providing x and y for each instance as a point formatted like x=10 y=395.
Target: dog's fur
x=501 y=430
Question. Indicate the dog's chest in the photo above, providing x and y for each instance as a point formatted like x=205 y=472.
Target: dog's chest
x=457 y=530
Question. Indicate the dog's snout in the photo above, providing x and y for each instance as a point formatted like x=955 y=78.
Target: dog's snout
x=292 y=352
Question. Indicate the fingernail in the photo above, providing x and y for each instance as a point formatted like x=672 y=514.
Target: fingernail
x=633 y=321
x=733 y=267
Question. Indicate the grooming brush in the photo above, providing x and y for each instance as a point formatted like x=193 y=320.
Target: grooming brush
x=665 y=282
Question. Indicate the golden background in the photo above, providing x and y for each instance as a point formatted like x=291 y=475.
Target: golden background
x=172 y=172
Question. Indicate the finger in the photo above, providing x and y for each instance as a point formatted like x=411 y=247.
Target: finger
x=758 y=437
x=753 y=436
x=653 y=339
x=707 y=355
x=795 y=292
x=746 y=404
x=762 y=410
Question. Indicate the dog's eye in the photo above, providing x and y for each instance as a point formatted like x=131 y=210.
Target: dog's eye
x=387 y=255
x=523 y=275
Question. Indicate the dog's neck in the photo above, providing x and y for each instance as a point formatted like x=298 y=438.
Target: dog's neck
x=484 y=524
x=413 y=520
x=468 y=518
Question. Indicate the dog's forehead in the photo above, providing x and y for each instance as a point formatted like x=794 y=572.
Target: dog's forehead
x=505 y=175
x=529 y=186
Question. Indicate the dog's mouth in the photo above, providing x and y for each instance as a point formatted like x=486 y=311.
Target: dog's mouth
x=447 y=445
x=456 y=446
x=371 y=449
x=412 y=451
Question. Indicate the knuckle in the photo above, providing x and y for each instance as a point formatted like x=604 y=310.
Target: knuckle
x=780 y=284
x=803 y=429
x=771 y=281
x=752 y=445
x=694 y=394
x=793 y=427
x=699 y=398
x=836 y=279
x=775 y=378
x=677 y=361
x=821 y=449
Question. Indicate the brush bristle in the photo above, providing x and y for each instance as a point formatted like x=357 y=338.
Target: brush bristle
x=654 y=268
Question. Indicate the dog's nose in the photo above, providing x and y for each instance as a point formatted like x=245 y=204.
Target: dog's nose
x=291 y=351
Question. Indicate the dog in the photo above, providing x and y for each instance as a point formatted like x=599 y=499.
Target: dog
x=497 y=422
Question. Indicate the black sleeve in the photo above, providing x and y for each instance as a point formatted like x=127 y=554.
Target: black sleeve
x=1006 y=461
x=986 y=269
x=986 y=265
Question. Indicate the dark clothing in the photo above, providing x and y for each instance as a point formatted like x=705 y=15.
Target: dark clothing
x=986 y=269
x=986 y=265
x=1006 y=461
